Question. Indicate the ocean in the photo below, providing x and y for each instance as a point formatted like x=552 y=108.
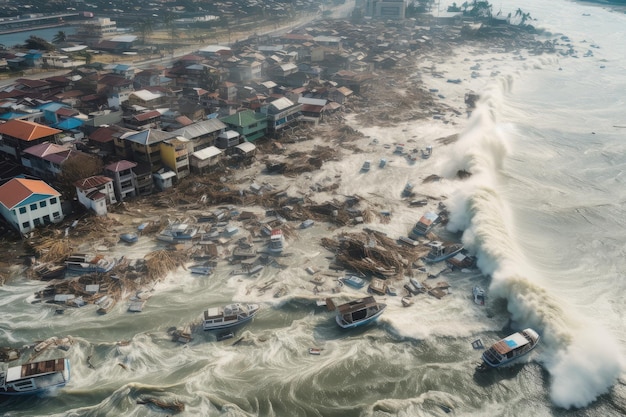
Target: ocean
x=18 y=38
x=543 y=211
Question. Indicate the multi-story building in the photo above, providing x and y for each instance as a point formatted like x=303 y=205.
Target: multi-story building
x=27 y=203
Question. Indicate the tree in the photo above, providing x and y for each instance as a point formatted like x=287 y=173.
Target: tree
x=87 y=56
x=35 y=42
x=77 y=167
x=60 y=37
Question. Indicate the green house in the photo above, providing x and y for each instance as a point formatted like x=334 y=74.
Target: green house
x=248 y=123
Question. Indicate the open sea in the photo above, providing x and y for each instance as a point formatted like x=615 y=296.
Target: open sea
x=544 y=212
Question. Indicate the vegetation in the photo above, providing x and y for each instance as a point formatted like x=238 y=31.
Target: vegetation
x=76 y=168
x=37 y=43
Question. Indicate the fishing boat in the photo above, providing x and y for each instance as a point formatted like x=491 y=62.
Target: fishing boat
x=509 y=349
x=440 y=251
x=86 y=263
x=276 y=241
x=479 y=295
x=306 y=224
x=366 y=166
x=359 y=312
x=315 y=351
x=177 y=232
x=105 y=305
x=353 y=281
x=217 y=318
x=35 y=377
x=424 y=225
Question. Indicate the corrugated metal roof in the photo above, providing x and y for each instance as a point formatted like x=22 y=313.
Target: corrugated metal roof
x=202 y=128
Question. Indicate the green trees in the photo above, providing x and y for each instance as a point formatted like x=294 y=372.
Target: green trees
x=60 y=37
x=35 y=42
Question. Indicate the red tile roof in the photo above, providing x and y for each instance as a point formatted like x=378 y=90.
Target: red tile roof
x=25 y=130
x=17 y=190
x=92 y=182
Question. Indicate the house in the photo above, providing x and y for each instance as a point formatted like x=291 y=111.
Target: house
x=281 y=113
x=144 y=120
x=312 y=109
x=17 y=135
x=175 y=156
x=116 y=88
x=164 y=179
x=46 y=160
x=340 y=95
x=95 y=193
x=244 y=151
x=205 y=159
x=228 y=139
x=147 y=98
x=103 y=137
x=124 y=181
x=144 y=146
x=201 y=134
x=249 y=124
x=28 y=203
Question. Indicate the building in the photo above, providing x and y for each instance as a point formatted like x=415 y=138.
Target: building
x=96 y=193
x=175 y=156
x=201 y=134
x=249 y=124
x=27 y=203
x=143 y=147
x=205 y=159
x=17 y=135
x=281 y=113
x=124 y=179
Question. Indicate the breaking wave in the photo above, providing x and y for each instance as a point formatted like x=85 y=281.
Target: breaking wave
x=583 y=359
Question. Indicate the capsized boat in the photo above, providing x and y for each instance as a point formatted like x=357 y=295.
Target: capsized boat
x=230 y=315
x=177 y=232
x=359 y=312
x=509 y=349
x=35 y=377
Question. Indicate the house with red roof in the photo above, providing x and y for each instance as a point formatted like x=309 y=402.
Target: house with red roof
x=95 y=193
x=27 y=203
x=17 y=135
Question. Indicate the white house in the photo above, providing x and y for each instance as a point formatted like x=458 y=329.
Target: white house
x=95 y=193
x=26 y=204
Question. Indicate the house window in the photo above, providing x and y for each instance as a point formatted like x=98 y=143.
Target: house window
x=22 y=210
x=33 y=207
x=46 y=219
x=56 y=215
x=37 y=222
x=25 y=225
x=53 y=200
x=42 y=204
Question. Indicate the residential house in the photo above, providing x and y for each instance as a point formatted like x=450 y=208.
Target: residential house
x=205 y=159
x=95 y=193
x=116 y=88
x=164 y=179
x=249 y=124
x=201 y=134
x=17 y=135
x=281 y=113
x=28 y=203
x=124 y=180
x=175 y=156
x=45 y=159
x=144 y=120
x=147 y=98
x=340 y=94
x=312 y=109
x=227 y=140
x=117 y=44
x=244 y=152
x=144 y=146
x=103 y=138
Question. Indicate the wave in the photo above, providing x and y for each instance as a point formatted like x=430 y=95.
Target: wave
x=583 y=360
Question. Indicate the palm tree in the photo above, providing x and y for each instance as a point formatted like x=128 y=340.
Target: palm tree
x=60 y=37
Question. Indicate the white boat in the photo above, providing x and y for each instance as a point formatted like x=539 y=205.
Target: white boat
x=217 y=318
x=204 y=268
x=306 y=224
x=479 y=295
x=35 y=377
x=277 y=242
x=509 y=349
x=359 y=312
x=440 y=251
x=177 y=232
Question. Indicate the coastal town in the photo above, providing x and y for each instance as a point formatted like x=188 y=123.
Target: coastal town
x=202 y=157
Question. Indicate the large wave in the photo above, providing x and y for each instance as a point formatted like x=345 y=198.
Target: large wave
x=583 y=359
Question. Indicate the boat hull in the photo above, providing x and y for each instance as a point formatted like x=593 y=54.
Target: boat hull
x=227 y=325
x=359 y=323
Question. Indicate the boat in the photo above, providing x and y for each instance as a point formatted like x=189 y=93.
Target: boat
x=377 y=286
x=366 y=166
x=48 y=271
x=509 y=349
x=276 y=241
x=419 y=287
x=315 y=351
x=353 y=281
x=177 y=232
x=407 y=191
x=106 y=305
x=35 y=377
x=306 y=224
x=359 y=312
x=86 y=263
x=440 y=251
x=382 y=163
x=217 y=318
x=427 y=152
x=203 y=268
x=479 y=295
x=407 y=301
x=129 y=237
x=424 y=225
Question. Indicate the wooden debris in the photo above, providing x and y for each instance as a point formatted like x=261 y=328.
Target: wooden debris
x=174 y=405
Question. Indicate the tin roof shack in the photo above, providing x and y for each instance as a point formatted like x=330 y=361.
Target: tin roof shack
x=244 y=152
x=202 y=134
x=205 y=159
x=95 y=193
x=164 y=180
